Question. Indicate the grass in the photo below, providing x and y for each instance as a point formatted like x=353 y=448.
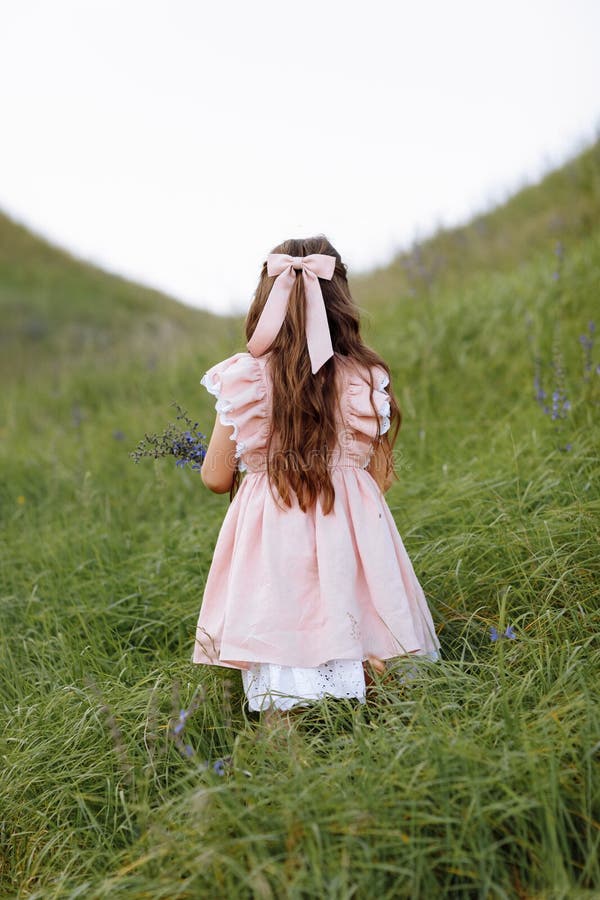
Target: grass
x=476 y=777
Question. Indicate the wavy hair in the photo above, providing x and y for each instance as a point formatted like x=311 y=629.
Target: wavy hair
x=303 y=427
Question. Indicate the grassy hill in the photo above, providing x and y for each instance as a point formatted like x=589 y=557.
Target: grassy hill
x=53 y=304
x=476 y=778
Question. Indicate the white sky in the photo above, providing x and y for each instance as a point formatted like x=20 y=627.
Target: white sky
x=178 y=142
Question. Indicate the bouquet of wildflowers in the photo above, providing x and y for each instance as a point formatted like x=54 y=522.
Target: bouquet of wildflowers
x=187 y=445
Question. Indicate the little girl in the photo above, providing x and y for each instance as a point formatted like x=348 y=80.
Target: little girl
x=310 y=582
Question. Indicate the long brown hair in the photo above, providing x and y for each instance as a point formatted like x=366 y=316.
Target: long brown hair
x=303 y=427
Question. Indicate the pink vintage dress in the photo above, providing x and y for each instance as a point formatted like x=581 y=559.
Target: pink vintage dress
x=298 y=600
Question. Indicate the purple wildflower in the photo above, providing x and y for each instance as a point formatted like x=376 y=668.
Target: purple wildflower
x=177 y=729
x=177 y=725
x=587 y=344
x=509 y=632
x=186 y=446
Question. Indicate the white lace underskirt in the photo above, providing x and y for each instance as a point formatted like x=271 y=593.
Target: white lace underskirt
x=269 y=685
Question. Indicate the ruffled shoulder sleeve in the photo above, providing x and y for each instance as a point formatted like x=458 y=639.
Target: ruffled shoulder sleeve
x=240 y=387
x=359 y=411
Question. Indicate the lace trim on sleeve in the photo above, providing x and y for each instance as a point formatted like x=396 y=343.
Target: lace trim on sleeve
x=384 y=405
x=222 y=407
x=240 y=393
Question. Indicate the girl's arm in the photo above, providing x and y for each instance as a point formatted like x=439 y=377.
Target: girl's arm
x=220 y=461
x=377 y=468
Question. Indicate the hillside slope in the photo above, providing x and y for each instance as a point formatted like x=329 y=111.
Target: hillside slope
x=562 y=206
x=55 y=305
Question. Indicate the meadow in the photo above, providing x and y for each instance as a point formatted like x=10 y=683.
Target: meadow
x=475 y=776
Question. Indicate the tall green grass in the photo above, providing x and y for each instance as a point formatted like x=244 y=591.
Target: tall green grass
x=476 y=776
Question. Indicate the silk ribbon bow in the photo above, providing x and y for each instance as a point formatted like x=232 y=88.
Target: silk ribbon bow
x=318 y=338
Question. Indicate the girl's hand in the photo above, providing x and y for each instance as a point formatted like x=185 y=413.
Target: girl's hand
x=378 y=468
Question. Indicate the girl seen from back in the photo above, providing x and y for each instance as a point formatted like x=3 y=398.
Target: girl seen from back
x=310 y=583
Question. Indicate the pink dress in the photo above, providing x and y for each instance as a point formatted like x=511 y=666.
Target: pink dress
x=298 y=600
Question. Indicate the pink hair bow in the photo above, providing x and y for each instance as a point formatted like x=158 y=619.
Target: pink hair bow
x=318 y=338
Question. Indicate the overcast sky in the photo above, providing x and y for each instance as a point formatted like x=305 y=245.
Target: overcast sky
x=178 y=142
